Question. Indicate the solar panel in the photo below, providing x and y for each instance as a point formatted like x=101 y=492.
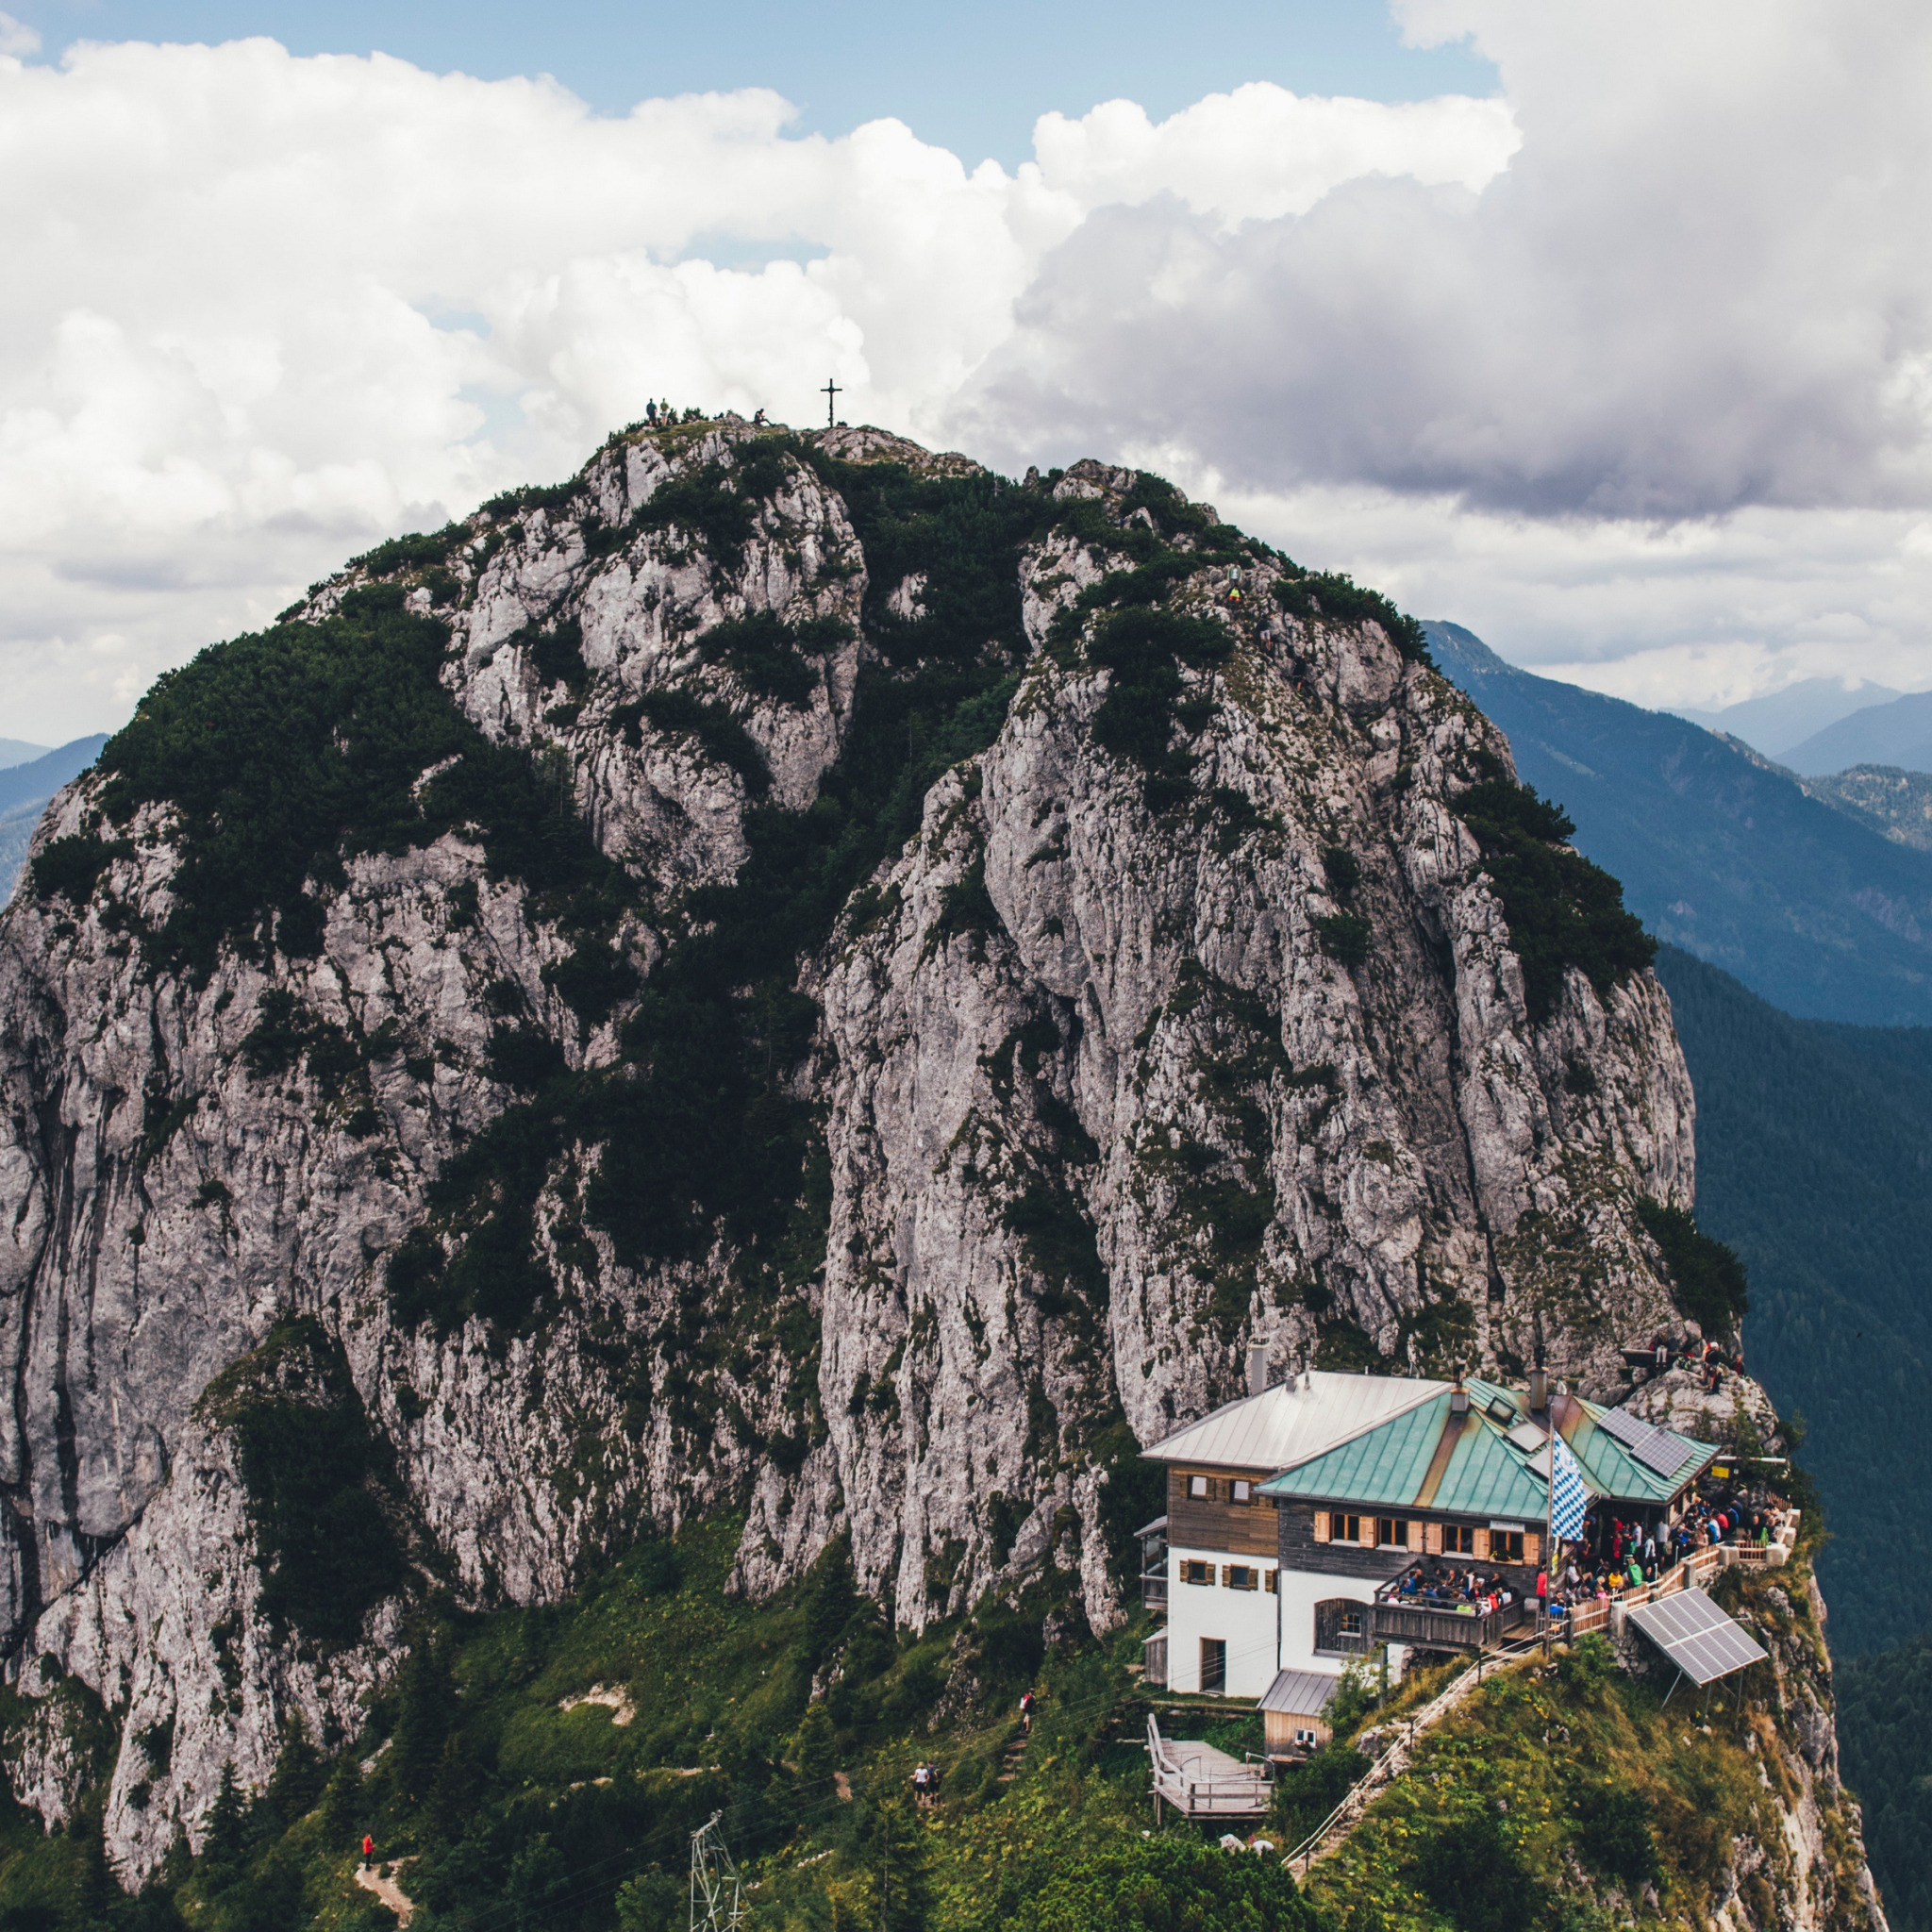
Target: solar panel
x=1656 y=1449
x=1697 y=1637
x=1624 y=1425
x=1665 y=1452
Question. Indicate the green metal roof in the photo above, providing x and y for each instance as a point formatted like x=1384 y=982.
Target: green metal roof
x=1466 y=1465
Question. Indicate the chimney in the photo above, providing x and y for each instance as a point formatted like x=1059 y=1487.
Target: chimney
x=1539 y=1392
x=1257 y=1367
x=1458 y=1399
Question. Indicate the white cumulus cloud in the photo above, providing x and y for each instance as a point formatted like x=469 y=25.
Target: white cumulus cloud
x=1630 y=368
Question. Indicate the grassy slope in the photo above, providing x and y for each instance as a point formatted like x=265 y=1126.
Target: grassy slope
x=530 y=1815
x=1576 y=1799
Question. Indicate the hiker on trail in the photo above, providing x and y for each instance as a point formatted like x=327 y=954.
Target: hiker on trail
x=1026 y=1703
x=367 y=1850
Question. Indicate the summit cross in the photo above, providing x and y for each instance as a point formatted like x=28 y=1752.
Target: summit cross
x=831 y=392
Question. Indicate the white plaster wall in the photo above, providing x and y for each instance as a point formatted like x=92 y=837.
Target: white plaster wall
x=1243 y=1619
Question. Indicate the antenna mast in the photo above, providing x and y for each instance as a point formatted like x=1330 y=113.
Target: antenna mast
x=717 y=1901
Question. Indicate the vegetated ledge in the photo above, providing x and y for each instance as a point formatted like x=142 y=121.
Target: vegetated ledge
x=1594 y=1790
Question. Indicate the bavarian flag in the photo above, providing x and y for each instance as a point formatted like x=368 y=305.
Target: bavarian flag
x=1569 y=1499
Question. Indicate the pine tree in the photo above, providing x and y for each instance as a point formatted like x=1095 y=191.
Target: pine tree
x=342 y=1805
x=221 y=1843
x=895 y=1855
x=94 y=1891
x=299 y=1774
x=818 y=1750
x=427 y=1711
x=453 y=1796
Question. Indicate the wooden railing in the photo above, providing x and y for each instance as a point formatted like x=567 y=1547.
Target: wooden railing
x=1429 y=1628
x=1694 y=1569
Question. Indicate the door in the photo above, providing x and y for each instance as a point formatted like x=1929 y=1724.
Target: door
x=1213 y=1666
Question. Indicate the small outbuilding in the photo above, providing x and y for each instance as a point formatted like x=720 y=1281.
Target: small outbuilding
x=1295 y=1713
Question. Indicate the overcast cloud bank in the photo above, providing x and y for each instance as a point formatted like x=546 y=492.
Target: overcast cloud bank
x=1630 y=369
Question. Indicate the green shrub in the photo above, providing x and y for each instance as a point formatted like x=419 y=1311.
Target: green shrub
x=1333 y=597
x=769 y=656
x=1470 y=1870
x=1562 y=910
x=72 y=868
x=1707 y=1277
x=1345 y=938
x=1142 y=648
x=1614 y=1828
x=310 y=1479
x=680 y=713
x=1167 y=1884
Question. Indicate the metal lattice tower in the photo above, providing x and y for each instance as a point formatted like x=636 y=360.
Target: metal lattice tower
x=717 y=1899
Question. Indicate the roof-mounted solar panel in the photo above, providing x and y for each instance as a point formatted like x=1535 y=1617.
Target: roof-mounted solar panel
x=1656 y=1449
x=1665 y=1452
x=1624 y=1426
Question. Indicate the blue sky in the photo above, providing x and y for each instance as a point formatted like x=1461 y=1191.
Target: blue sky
x=970 y=79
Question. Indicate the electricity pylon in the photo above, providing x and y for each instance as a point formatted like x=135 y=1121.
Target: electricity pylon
x=717 y=1901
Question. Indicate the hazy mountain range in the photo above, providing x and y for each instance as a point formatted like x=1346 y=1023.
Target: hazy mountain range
x=1820 y=725
x=1720 y=852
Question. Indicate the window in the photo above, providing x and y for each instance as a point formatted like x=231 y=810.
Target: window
x=1197 y=1489
x=1305 y=1740
x=1505 y=1545
x=1273 y=1583
x=1345 y=1529
x=1458 y=1540
x=1213 y=1666
x=1391 y=1533
x=1342 y=1626
x=1193 y=1572
x=1244 y=1492
x=1241 y=1577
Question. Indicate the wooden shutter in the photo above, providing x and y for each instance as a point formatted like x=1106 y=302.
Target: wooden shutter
x=1481 y=1551
x=1321 y=1525
x=1533 y=1548
x=1432 y=1538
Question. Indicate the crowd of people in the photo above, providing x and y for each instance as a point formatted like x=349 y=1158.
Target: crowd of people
x=1433 y=1584
x=1614 y=1556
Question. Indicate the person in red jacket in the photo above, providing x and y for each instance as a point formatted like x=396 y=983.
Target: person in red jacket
x=368 y=1849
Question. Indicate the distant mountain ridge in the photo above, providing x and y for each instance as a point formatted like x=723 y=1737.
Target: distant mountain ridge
x=1899 y=733
x=1811 y=1163
x=1780 y=719
x=1720 y=852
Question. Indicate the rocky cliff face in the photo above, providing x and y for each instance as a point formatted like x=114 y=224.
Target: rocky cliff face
x=790 y=972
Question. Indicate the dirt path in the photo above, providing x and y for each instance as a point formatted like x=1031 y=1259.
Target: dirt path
x=371 y=1878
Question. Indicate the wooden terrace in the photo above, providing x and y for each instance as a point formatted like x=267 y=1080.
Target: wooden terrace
x=1200 y=1782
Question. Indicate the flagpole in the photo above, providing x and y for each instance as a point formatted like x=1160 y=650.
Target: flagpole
x=1550 y=1527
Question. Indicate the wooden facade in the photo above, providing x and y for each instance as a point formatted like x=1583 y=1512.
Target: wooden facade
x=1312 y=1538
x=1216 y=1521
